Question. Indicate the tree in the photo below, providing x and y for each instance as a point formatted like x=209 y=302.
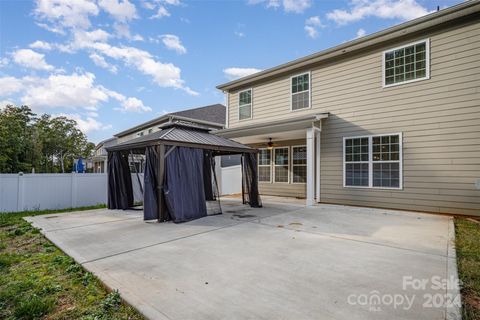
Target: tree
x=46 y=143
x=17 y=139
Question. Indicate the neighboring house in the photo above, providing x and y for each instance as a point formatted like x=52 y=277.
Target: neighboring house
x=211 y=116
x=388 y=120
x=99 y=158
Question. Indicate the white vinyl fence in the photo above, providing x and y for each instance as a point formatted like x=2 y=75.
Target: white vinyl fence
x=42 y=191
x=20 y=192
x=230 y=180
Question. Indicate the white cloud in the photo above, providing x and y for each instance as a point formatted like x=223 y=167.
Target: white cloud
x=312 y=25
x=161 y=12
x=121 y=10
x=4 y=62
x=134 y=105
x=75 y=91
x=235 y=73
x=173 y=42
x=361 y=33
x=173 y=2
x=311 y=31
x=148 y=5
x=41 y=45
x=5 y=103
x=31 y=59
x=163 y=74
x=123 y=31
x=101 y=62
x=65 y=13
x=295 y=6
x=68 y=91
x=9 y=85
x=86 y=125
x=385 y=9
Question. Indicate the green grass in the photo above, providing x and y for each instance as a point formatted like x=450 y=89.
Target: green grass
x=468 y=258
x=38 y=281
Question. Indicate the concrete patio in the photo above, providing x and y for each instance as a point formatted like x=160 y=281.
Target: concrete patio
x=283 y=261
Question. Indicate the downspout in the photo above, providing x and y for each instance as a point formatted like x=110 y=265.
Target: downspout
x=226 y=93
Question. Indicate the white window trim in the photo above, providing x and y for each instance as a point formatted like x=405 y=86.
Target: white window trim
x=371 y=162
x=309 y=91
x=297 y=165
x=275 y=165
x=427 y=63
x=251 y=104
x=264 y=165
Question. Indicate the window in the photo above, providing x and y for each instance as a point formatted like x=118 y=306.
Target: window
x=373 y=161
x=356 y=162
x=264 y=165
x=300 y=91
x=406 y=64
x=140 y=134
x=245 y=104
x=150 y=131
x=299 y=164
x=386 y=161
x=281 y=164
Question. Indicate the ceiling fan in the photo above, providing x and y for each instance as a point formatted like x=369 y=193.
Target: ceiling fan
x=270 y=144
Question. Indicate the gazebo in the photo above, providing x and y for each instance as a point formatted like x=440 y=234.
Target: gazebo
x=179 y=177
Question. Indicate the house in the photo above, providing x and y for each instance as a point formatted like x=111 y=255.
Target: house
x=211 y=116
x=388 y=120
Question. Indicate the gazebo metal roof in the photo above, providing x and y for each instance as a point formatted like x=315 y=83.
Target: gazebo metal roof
x=185 y=135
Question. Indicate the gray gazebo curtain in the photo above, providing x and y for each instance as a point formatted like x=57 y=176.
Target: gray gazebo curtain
x=250 y=194
x=120 y=191
x=184 y=184
x=150 y=195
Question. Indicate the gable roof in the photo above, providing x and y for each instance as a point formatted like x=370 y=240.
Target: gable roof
x=454 y=14
x=213 y=115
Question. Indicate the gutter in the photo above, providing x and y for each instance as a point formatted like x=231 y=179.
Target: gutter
x=431 y=20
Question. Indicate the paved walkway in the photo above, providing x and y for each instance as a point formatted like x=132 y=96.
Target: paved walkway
x=282 y=261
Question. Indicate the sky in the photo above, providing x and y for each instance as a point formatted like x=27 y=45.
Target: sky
x=112 y=64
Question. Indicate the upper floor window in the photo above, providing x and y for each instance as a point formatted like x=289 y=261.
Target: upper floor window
x=406 y=64
x=300 y=91
x=140 y=134
x=373 y=161
x=150 y=130
x=245 y=104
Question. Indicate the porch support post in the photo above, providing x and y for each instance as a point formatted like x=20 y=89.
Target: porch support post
x=317 y=164
x=310 y=166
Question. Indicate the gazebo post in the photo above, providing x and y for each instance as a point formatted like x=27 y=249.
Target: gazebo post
x=160 y=180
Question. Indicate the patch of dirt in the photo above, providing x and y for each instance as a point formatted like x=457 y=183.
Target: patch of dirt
x=295 y=224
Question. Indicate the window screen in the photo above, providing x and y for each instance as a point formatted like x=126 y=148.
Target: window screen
x=299 y=164
x=264 y=165
x=281 y=164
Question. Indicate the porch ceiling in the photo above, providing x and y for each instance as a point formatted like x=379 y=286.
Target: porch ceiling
x=277 y=130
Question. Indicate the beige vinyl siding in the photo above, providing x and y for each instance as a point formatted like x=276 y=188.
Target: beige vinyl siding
x=283 y=189
x=439 y=119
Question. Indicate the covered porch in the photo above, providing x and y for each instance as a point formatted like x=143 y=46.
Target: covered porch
x=296 y=143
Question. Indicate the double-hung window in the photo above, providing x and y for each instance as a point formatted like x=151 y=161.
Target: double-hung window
x=373 y=161
x=281 y=164
x=264 y=165
x=245 y=104
x=406 y=64
x=300 y=86
x=299 y=164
